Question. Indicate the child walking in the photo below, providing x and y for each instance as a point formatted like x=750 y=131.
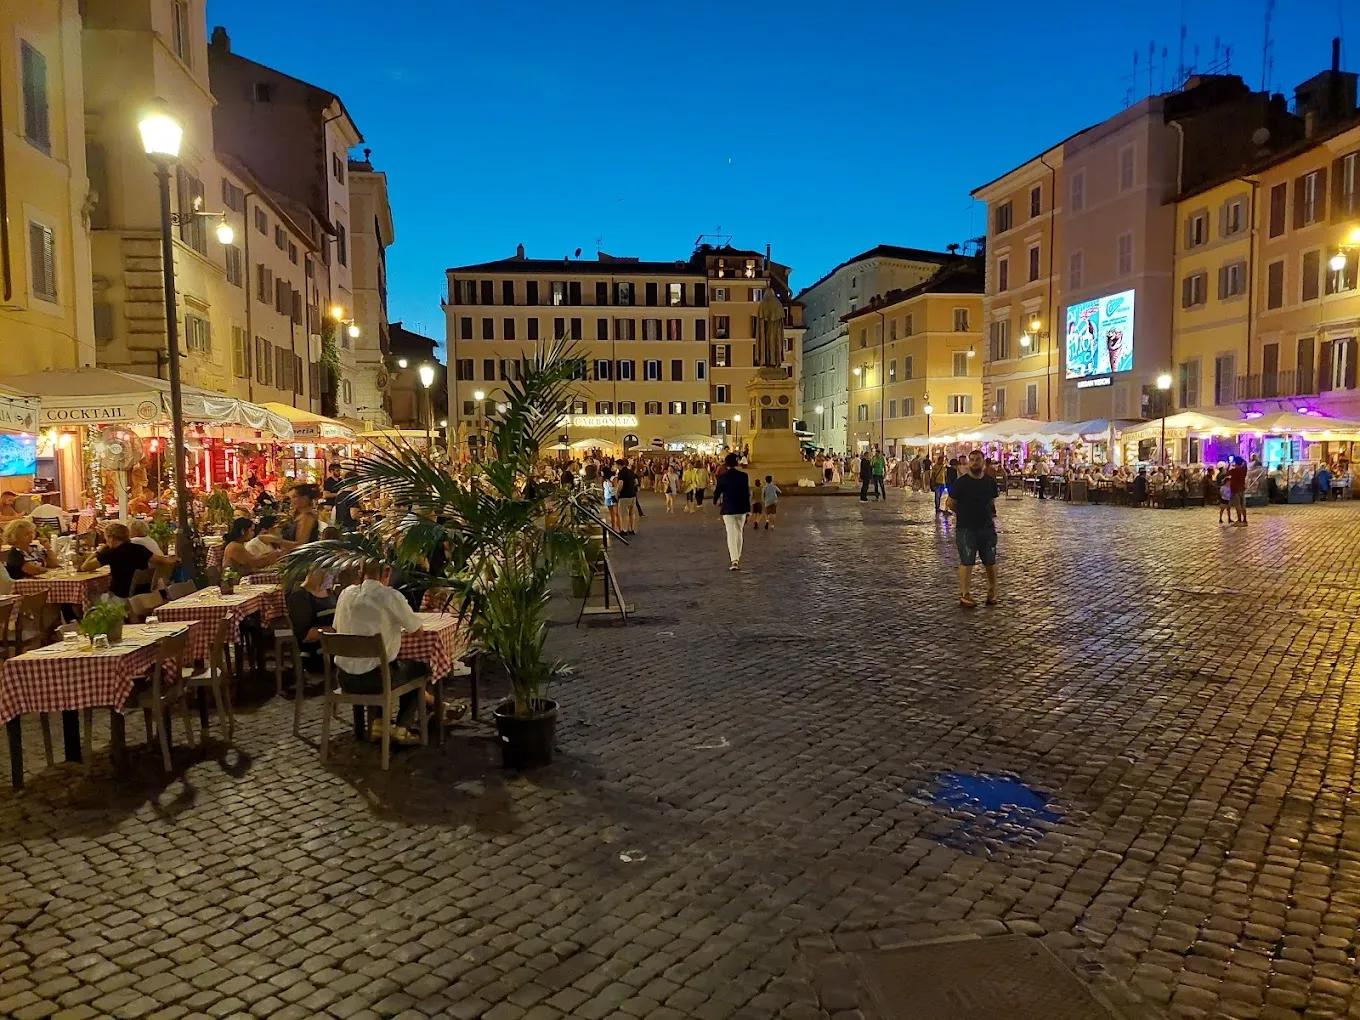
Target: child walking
x=769 y=499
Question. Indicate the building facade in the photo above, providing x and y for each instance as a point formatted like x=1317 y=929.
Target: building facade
x=915 y=361
x=46 y=310
x=1023 y=289
x=295 y=137
x=412 y=405
x=668 y=346
x=824 y=371
x=371 y=234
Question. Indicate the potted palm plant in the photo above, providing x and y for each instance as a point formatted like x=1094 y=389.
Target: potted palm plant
x=504 y=537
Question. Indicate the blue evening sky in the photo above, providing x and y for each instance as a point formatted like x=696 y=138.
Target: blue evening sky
x=819 y=127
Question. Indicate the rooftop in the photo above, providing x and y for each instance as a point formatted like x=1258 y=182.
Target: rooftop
x=964 y=275
x=886 y=251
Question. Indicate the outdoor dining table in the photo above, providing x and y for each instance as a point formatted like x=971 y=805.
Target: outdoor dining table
x=71 y=675
x=209 y=605
x=269 y=576
x=64 y=586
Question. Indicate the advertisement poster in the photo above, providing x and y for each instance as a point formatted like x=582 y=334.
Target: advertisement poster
x=1100 y=336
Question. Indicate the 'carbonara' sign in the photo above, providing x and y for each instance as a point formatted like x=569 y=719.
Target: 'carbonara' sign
x=600 y=421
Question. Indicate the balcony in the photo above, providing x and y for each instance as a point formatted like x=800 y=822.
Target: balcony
x=1268 y=385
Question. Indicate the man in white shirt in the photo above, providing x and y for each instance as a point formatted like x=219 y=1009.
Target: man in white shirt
x=375 y=608
x=138 y=530
x=47 y=512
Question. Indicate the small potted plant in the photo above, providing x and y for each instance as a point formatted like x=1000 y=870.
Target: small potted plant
x=230 y=579
x=104 y=618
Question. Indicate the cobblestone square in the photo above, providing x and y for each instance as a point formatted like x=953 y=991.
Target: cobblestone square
x=765 y=773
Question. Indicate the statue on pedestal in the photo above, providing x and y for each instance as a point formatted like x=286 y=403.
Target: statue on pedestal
x=770 y=333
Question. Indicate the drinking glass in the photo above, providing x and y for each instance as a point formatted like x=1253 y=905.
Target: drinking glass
x=100 y=642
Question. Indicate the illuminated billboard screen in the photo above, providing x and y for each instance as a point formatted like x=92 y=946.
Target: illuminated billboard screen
x=18 y=454
x=1100 y=336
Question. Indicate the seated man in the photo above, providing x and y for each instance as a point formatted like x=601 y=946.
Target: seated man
x=375 y=608
x=124 y=558
x=47 y=512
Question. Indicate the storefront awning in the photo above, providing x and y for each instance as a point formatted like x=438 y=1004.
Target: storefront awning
x=1309 y=426
x=309 y=427
x=1186 y=423
x=100 y=396
x=19 y=412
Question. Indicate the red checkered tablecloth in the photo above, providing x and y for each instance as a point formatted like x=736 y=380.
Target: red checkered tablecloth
x=66 y=588
x=62 y=676
x=439 y=643
x=264 y=577
x=439 y=600
x=209 y=605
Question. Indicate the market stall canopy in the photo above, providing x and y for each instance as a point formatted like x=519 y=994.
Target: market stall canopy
x=19 y=412
x=1092 y=431
x=309 y=427
x=1306 y=425
x=1013 y=430
x=101 y=396
x=1185 y=423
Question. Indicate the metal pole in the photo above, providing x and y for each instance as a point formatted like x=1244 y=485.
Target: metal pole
x=429 y=422
x=1163 y=433
x=183 y=543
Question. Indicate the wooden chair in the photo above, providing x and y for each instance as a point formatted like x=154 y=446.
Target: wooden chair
x=285 y=641
x=141 y=582
x=30 y=630
x=140 y=606
x=367 y=647
x=179 y=589
x=216 y=677
x=160 y=577
x=164 y=689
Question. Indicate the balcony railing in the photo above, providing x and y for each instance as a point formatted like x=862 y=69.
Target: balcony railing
x=1265 y=385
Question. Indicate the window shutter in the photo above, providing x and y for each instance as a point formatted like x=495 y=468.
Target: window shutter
x=1325 y=366
x=42 y=250
x=1322 y=193
x=1278 y=200
x=1350 y=363
x=1337 y=195
x=1189 y=232
x=1223 y=220
x=1185 y=297
x=1298 y=202
x=1222 y=282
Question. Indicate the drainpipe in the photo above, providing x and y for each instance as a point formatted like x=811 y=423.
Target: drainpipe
x=4 y=214
x=1051 y=309
x=249 y=281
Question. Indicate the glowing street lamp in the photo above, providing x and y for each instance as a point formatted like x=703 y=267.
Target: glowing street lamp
x=426 y=381
x=1163 y=384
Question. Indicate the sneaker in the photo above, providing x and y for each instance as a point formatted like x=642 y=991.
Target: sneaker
x=403 y=737
x=375 y=729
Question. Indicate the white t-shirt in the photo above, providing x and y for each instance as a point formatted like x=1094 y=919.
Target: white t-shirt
x=373 y=608
x=150 y=543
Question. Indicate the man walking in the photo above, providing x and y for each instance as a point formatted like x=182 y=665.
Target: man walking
x=879 y=466
x=733 y=491
x=626 y=490
x=866 y=476
x=972 y=497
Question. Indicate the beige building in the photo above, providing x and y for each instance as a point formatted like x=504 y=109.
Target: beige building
x=46 y=319
x=825 y=369
x=916 y=348
x=296 y=137
x=372 y=232
x=668 y=346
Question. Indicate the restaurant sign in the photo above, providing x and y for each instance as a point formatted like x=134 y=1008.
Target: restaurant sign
x=138 y=412
x=600 y=421
x=18 y=414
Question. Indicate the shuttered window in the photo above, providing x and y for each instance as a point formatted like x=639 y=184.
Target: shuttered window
x=1278 y=198
x=42 y=251
x=197 y=334
x=192 y=227
x=37 y=120
x=240 y=353
x=1312 y=275
x=1275 y=284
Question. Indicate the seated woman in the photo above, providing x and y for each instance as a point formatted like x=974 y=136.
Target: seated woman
x=267 y=541
x=28 y=555
x=311 y=608
x=235 y=555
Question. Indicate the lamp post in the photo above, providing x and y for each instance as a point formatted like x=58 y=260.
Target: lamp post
x=1163 y=385
x=736 y=432
x=478 y=396
x=426 y=381
x=161 y=138
x=929 y=410
x=821 y=425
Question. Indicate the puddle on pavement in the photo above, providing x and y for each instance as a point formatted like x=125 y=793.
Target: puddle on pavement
x=990 y=812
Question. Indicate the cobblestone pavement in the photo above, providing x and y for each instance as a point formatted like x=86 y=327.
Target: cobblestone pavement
x=765 y=747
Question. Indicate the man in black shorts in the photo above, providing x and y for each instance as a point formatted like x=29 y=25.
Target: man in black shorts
x=972 y=497
x=627 y=493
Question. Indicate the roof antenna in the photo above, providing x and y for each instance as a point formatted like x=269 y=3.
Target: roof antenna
x=1265 y=48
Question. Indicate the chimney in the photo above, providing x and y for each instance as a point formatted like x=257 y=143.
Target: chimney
x=1336 y=53
x=767 y=256
x=519 y=251
x=220 y=40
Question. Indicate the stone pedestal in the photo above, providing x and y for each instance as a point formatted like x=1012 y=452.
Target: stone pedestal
x=774 y=446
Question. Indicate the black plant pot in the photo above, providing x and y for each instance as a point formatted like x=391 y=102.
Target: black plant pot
x=526 y=743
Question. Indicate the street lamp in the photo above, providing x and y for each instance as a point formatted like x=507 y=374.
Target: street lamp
x=401 y=362
x=427 y=380
x=929 y=410
x=1163 y=384
x=736 y=432
x=352 y=327
x=161 y=139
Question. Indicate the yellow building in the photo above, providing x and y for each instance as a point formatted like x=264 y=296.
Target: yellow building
x=1024 y=292
x=669 y=346
x=913 y=349
x=1304 y=351
x=1215 y=227
x=46 y=319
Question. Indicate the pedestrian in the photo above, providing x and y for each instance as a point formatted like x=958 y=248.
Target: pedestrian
x=672 y=487
x=866 y=476
x=611 y=503
x=1237 y=490
x=879 y=467
x=937 y=482
x=627 y=494
x=769 y=498
x=972 y=497
x=733 y=491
